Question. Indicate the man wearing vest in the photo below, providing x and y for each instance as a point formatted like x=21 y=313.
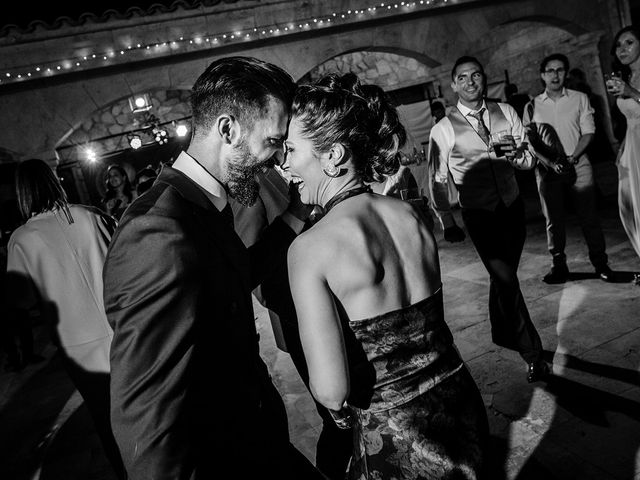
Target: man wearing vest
x=561 y=127
x=492 y=209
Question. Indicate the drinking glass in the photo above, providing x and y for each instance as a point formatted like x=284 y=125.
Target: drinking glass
x=409 y=193
x=500 y=140
x=612 y=81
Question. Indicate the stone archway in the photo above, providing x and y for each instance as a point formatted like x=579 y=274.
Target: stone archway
x=107 y=132
x=37 y=115
x=386 y=68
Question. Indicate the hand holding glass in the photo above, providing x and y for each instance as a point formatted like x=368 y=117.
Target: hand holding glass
x=613 y=81
x=502 y=143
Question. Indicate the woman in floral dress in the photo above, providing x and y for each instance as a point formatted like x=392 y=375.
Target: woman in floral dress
x=366 y=284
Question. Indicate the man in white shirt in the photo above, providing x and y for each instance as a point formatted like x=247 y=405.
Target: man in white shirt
x=561 y=127
x=460 y=148
x=190 y=395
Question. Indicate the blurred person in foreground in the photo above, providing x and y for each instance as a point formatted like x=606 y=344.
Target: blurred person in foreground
x=55 y=263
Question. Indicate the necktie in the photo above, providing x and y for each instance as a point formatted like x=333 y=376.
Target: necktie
x=227 y=214
x=483 y=131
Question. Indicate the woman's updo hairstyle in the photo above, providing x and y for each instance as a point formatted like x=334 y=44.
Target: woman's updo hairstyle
x=339 y=109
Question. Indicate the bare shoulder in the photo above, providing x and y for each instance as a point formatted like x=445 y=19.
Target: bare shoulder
x=311 y=247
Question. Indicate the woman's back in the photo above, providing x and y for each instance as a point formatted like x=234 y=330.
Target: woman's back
x=365 y=281
x=64 y=260
x=377 y=253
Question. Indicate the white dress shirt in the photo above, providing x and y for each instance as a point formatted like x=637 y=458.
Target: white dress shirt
x=570 y=115
x=443 y=134
x=442 y=141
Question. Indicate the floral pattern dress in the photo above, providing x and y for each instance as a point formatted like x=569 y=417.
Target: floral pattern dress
x=425 y=418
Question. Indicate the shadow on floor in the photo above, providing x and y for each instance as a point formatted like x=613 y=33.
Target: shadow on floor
x=86 y=461
x=589 y=423
x=28 y=417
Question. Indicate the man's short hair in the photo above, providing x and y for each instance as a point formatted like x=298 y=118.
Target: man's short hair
x=554 y=56
x=239 y=86
x=465 y=59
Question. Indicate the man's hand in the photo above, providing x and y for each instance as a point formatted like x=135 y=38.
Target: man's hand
x=454 y=234
x=296 y=207
x=563 y=164
x=512 y=151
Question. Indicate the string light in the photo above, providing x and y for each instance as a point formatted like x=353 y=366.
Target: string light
x=98 y=59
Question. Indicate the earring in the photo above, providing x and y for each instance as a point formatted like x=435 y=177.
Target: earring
x=331 y=171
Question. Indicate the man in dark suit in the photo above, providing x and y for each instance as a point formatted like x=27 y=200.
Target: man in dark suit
x=190 y=395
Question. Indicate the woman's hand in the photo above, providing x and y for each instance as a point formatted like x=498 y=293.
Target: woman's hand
x=619 y=88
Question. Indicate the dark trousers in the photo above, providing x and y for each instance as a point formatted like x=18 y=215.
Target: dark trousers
x=94 y=389
x=335 y=446
x=277 y=458
x=498 y=237
x=579 y=185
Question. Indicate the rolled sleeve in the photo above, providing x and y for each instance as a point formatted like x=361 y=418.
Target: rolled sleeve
x=528 y=159
x=587 y=122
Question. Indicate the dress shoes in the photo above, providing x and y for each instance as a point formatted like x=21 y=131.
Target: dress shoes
x=605 y=273
x=538 y=371
x=557 y=274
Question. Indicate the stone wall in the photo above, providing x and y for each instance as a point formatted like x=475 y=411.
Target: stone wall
x=388 y=70
x=116 y=119
x=37 y=115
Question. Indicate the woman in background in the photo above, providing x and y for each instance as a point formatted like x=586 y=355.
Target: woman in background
x=626 y=52
x=55 y=265
x=119 y=191
x=366 y=285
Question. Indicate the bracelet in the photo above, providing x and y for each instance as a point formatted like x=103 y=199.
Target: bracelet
x=343 y=418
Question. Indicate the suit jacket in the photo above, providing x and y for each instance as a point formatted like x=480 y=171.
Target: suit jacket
x=189 y=390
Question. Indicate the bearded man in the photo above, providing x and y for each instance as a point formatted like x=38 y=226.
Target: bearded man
x=190 y=395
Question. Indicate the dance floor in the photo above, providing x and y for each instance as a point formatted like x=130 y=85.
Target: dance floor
x=584 y=423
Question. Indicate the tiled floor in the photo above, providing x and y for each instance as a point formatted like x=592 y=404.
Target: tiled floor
x=583 y=424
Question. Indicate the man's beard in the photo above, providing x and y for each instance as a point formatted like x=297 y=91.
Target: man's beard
x=242 y=169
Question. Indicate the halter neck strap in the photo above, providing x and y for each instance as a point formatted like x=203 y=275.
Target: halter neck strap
x=336 y=199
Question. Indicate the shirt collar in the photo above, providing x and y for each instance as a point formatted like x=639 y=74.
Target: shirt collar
x=544 y=96
x=466 y=110
x=195 y=171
